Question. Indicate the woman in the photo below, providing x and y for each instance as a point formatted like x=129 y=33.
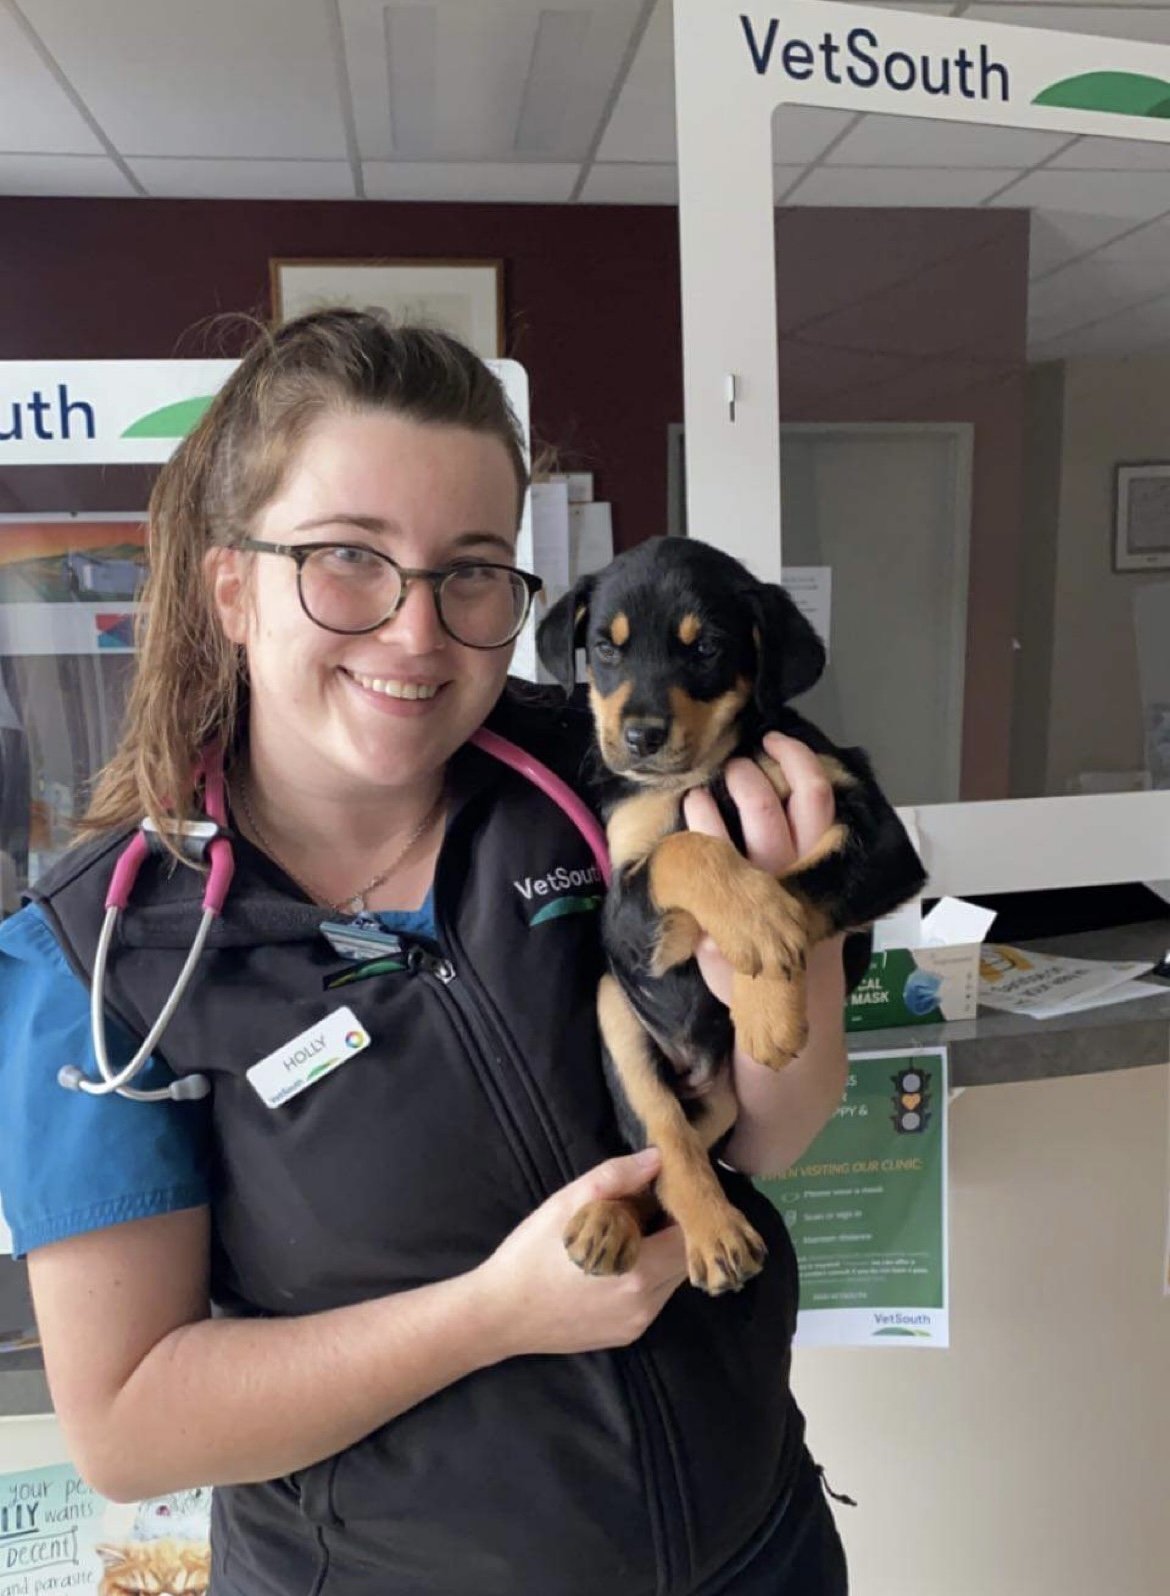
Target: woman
x=350 y=1308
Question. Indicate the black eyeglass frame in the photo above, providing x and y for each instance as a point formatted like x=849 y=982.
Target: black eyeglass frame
x=300 y=552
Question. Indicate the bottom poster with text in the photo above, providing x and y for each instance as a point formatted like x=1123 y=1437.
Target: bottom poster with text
x=866 y=1207
x=57 y=1534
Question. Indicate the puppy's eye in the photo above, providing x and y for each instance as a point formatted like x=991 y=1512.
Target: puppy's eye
x=705 y=647
x=605 y=651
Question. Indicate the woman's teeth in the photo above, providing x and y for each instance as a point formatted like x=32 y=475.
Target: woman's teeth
x=392 y=689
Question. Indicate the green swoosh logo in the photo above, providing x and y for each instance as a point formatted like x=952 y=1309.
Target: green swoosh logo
x=1118 y=93
x=172 y=421
x=562 y=906
x=899 y=1330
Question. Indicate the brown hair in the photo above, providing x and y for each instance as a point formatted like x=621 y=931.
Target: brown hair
x=190 y=685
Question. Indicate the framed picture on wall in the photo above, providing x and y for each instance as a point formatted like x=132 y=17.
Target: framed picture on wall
x=464 y=297
x=1142 y=530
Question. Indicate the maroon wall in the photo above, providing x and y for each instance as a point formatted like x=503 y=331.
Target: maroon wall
x=921 y=315
x=910 y=315
x=591 y=301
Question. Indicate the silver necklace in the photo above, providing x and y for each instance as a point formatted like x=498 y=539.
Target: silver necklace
x=355 y=902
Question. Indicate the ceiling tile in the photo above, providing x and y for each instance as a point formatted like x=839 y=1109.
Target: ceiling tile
x=1116 y=155
x=219 y=179
x=915 y=141
x=93 y=176
x=801 y=133
x=485 y=182
x=1060 y=236
x=35 y=112
x=213 y=78
x=1105 y=20
x=454 y=80
x=631 y=183
x=851 y=185
x=1137 y=195
x=642 y=126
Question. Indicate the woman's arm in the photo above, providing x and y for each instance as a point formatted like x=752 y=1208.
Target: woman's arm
x=781 y=1112
x=155 y=1396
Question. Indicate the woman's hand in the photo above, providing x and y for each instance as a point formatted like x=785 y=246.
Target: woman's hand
x=535 y=1299
x=775 y=834
x=780 y=1113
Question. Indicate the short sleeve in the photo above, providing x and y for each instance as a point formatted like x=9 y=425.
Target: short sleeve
x=71 y=1162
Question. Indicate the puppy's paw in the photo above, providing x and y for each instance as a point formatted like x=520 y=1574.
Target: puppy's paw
x=761 y=929
x=604 y=1237
x=770 y=1019
x=724 y=1255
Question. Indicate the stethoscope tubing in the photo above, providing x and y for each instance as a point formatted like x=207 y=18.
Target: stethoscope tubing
x=219 y=877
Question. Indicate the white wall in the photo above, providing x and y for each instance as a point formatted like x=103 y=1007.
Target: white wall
x=1033 y=1458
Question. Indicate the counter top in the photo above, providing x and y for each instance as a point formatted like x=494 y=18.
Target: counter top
x=996 y=1048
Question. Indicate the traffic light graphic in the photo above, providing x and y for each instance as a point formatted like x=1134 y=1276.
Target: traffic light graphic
x=912 y=1109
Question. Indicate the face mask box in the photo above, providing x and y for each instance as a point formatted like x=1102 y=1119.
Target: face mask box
x=924 y=969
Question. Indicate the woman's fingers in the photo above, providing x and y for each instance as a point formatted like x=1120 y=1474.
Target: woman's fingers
x=811 y=804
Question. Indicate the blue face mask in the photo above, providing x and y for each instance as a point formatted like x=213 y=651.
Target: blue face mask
x=920 y=994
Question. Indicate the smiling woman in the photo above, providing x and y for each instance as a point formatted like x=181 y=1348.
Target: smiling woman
x=374 y=1194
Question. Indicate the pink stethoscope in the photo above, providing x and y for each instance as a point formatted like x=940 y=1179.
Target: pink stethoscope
x=209 y=837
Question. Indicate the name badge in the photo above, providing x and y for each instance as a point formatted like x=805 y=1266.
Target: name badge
x=309 y=1057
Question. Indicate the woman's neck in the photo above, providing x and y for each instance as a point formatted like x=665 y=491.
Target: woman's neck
x=334 y=839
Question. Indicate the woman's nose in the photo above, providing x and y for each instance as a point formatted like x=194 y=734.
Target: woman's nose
x=416 y=622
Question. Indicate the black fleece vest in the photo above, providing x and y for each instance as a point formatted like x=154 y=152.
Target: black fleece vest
x=634 y=1473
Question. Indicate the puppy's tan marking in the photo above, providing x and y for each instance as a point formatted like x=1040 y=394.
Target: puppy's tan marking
x=697 y=726
x=769 y=1017
x=758 y=926
x=607 y=717
x=723 y=1251
x=678 y=937
x=689 y=628
x=637 y=824
x=619 y=629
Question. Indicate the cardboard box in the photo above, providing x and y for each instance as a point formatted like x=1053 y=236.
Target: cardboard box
x=924 y=969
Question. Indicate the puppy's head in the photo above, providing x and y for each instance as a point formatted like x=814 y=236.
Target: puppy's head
x=682 y=646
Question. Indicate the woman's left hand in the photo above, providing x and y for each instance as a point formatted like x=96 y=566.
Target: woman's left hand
x=776 y=834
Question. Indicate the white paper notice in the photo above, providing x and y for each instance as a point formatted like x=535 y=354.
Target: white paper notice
x=591 y=537
x=811 y=589
x=1042 y=986
x=550 y=536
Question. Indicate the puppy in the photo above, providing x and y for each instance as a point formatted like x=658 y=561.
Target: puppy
x=690 y=660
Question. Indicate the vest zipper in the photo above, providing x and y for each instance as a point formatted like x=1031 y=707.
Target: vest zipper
x=640 y=1378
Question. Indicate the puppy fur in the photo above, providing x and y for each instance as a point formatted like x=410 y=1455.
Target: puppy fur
x=690 y=660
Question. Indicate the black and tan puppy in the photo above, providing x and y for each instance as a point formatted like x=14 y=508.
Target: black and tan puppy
x=690 y=660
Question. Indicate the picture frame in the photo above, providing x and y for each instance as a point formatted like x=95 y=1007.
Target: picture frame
x=463 y=297
x=1141 y=537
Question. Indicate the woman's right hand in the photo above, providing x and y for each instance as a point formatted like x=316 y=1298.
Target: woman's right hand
x=538 y=1300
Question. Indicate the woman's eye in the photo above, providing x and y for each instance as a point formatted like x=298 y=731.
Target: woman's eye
x=349 y=558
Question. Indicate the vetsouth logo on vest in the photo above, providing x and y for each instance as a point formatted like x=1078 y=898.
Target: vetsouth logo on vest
x=861 y=60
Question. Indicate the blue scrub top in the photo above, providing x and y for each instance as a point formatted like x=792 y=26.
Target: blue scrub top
x=70 y=1162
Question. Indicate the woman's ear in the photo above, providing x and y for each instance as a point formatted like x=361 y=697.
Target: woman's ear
x=562 y=633
x=790 y=657
x=226 y=570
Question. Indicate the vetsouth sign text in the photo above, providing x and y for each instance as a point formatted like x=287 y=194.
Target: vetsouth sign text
x=859 y=59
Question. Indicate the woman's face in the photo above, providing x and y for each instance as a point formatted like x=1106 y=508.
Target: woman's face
x=330 y=710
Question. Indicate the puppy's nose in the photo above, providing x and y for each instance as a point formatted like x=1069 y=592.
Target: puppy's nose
x=645 y=736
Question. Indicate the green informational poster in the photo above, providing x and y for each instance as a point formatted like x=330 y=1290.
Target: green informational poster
x=866 y=1207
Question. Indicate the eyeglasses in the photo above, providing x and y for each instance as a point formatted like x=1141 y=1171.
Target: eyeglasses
x=349 y=588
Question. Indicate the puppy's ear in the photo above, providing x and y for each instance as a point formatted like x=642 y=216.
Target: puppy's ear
x=562 y=633
x=790 y=655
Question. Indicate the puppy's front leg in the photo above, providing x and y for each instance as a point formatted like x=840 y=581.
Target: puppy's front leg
x=723 y=1250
